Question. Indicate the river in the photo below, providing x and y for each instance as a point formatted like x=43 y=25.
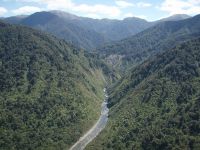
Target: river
x=96 y=129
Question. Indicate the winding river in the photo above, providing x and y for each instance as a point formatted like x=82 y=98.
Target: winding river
x=96 y=129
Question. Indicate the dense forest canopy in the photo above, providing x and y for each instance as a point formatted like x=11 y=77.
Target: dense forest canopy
x=156 y=105
x=132 y=51
x=51 y=92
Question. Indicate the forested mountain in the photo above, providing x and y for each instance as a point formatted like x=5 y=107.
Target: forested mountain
x=50 y=93
x=63 y=26
x=156 y=105
x=86 y=33
x=15 y=19
x=135 y=49
x=114 y=30
x=176 y=17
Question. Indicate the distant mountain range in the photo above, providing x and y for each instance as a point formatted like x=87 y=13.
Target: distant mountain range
x=84 y=32
x=135 y=49
x=176 y=17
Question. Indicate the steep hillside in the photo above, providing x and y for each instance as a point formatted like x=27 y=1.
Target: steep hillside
x=15 y=19
x=84 y=32
x=62 y=25
x=136 y=49
x=51 y=92
x=156 y=106
x=114 y=30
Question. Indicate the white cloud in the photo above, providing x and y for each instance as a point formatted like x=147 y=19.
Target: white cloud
x=123 y=4
x=143 y=4
x=26 y=10
x=128 y=15
x=3 y=11
x=97 y=10
x=190 y=7
x=58 y=4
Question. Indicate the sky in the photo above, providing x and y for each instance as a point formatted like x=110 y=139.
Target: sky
x=113 y=9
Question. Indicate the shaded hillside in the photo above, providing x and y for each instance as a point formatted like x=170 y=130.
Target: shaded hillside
x=63 y=26
x=114 y=30
x=136 y=49
x=15 y=19
x=50 y=92
x=156 y=105
x=84 y=32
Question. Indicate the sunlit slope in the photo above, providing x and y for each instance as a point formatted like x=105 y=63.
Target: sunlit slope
x=156 y=105
x=51 y=92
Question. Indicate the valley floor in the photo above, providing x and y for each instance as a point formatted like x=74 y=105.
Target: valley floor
x=95 y=130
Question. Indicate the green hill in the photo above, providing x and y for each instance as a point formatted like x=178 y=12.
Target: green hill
x=51 y=92
x=63 y=26
x=156 y=105
x=84 y=32
x=134 y=50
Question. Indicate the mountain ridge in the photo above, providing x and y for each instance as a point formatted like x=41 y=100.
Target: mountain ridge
x=133 y=50
x=156 y=105
x=175 y=17
x=49 y=89
x=67 y=26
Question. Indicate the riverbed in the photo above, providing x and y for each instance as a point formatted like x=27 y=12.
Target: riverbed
x=96 y=129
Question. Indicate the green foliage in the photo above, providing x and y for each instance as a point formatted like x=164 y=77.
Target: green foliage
x=156 y=105
x=136 y=49
x=65 y=26
x=84 y=32
x=50 y=92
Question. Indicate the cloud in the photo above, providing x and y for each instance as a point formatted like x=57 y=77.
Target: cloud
x=3 y=11
x=143 y=4
x=190 y=7
x=96 y=10
x=128 y=15
x=58 y=4
x=26 y=10
x=123 y=4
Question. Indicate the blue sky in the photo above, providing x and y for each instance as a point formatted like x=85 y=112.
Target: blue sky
x=114 y=9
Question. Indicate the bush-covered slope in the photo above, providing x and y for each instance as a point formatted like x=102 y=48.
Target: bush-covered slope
x=157 y=105
x=63 y=26
x=15 y=19
x=50 y=92
x=84 y=32
x=136 y=49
